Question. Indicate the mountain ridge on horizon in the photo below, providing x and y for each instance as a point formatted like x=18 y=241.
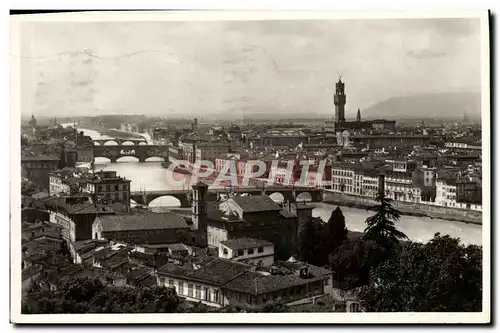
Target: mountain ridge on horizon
x=424 y=105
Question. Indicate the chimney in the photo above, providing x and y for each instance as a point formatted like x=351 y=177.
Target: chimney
x=381 y=185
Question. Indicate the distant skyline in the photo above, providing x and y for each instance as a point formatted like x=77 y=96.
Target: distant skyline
x=241 y=67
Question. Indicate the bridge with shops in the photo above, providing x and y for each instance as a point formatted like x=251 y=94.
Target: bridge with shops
x=184 y=196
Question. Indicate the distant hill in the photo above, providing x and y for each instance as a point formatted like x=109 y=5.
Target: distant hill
x=439 y=105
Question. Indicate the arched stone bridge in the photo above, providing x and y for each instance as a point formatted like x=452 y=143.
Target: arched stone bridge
x=141 y=152
x=135 y=141
x=184 y=196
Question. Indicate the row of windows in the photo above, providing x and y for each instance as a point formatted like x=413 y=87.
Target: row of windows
x=115 y=187
x=115 y=195
x=40 y=165
x=342 y=173
x=195 y=291
x=343 y=181
x=241 y=252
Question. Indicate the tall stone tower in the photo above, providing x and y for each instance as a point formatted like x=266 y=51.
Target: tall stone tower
x=358 y=116
x=199 y=212
x=339 y=100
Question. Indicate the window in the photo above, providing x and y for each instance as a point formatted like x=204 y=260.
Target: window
x=171 y=283
x=216 y=296
x=225 y=251
x=240 y=252
x=238 y=297
x=260 y=249
x=250 y=251
x=181 y=288
x=327 y=282
x=198 y=292
x=190 y=289
x=207 y=294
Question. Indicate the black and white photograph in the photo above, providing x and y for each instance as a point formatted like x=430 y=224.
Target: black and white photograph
x=195 y=167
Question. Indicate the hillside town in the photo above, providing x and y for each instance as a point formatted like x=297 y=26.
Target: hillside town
x=244 y=235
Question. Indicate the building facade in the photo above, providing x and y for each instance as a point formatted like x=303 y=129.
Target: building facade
x=107 y=186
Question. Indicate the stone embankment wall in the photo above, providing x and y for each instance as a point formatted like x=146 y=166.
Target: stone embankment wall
x=407 y=208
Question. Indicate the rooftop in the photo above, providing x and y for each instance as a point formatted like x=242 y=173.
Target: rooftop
x=142 y=221
x=25 y=158
x=211 y=270
x=257 y=203
x=31 y=271
x=256 y=283
x=245 y=243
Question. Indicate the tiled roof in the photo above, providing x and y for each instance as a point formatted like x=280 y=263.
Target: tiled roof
x=142 y=221
x=177 y=247
x=150 y=281
x=31 y=271
x=39 y=158
x=138 y=273
x=257 y=203
x=42 y=245
x=245 y=243
x=211 y=270
x=296 y=265
x=256 y=283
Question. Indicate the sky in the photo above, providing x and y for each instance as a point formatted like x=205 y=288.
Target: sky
x=233 y=68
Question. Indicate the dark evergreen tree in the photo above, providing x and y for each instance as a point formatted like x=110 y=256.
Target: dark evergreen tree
x=381 y=227
x=335 y=231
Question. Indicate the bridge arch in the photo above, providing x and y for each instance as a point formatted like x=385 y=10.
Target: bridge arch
x=101 y=160
x=111 y=143
x=155 y=159
x=96 y=143
x=126 y=159
x=277 y=197
x=128 y=143
x=304 y=196
x=165 y=201
x=143 y=143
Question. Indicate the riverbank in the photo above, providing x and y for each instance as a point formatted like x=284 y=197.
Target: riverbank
x=407 y=208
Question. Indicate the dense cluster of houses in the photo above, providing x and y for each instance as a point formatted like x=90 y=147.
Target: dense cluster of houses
x=232 y=252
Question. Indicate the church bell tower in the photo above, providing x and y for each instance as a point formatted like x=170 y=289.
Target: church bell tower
x=339 y=100
x=199 y=212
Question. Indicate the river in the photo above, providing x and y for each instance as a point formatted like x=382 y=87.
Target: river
x=151 y=176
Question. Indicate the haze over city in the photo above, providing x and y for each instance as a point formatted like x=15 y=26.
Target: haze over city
x=215 y=68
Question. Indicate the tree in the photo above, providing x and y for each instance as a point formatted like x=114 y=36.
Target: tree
x=442 y=275
x=28 y=188
x=381 y=226
x=335 y=231
x=309 y=241
x=353 y=261
x=85 y=295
